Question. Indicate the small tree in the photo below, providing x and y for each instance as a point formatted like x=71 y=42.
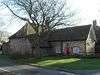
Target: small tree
x=42 y=15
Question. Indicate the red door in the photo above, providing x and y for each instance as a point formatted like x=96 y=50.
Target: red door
x=66 y=51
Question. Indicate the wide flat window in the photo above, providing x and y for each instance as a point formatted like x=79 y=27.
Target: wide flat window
x=58 y=47
x=76 y=50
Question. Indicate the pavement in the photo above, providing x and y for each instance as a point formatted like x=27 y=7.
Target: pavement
x=85 y=72
x=9 y=67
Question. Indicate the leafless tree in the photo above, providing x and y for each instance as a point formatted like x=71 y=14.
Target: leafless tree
x=42 y=15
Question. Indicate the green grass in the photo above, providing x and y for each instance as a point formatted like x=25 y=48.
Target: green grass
x=64 y=63
x=3 y=56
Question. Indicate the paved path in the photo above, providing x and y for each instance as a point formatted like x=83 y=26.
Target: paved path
x=8 y=67
x=86 y=72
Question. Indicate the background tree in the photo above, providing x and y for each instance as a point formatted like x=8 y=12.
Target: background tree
x=42 y=15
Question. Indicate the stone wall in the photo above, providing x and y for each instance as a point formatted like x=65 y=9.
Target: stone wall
x=78 y=44
x=20 y=46
x=90 y=42
x=23 y=46
x=60 y=46
x=56 y=47
x=90 y=47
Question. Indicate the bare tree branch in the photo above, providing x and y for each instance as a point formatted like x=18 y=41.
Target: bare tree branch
x=25 y=19
x=42 y=15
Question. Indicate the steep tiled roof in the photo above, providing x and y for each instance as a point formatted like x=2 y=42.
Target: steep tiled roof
x=23 y=32
x=66 y=34
x=70 y=33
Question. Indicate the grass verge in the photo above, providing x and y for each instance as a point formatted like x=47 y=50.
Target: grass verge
x=63 y=62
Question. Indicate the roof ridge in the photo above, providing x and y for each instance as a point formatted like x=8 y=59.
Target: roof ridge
x=73 y=27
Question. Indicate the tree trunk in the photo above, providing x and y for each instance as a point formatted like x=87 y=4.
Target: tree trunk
x=37 y=50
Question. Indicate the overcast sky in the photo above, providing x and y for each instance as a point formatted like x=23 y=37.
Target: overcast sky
x=88 y=10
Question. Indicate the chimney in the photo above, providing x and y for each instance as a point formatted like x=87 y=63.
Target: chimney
x=94 y=22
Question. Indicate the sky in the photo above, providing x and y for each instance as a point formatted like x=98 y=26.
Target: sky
x=88 y=10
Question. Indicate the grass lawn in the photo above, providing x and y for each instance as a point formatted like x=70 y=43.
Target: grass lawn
x=63 y=63
x=4 y=56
